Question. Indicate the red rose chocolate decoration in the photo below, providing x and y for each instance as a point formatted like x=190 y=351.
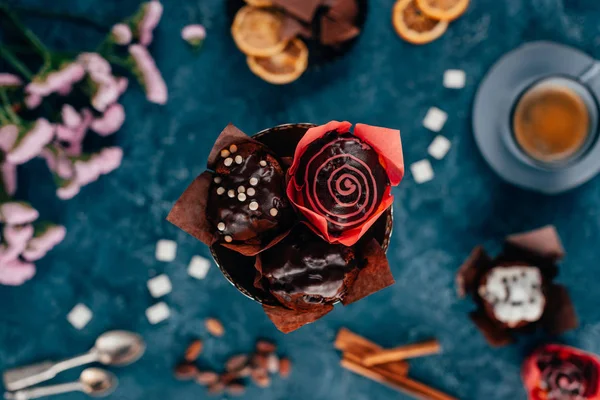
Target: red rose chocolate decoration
x=556 y=372
x=341 y=182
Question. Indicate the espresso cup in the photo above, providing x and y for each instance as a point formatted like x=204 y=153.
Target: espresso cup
x=553 y=123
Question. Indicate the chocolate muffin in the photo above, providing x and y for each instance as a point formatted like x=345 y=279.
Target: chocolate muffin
x=303 y=271
x=343 y=180
x=247 y=202
x=513 y=294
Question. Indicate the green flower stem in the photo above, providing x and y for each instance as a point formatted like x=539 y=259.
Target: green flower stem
x=118 y=61
x=9 y=56
x=8 y=107
x=29 y=35
x=3 y=118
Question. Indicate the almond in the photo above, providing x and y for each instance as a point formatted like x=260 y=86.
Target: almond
x=194 y=350
x=285 y=367
x=216 y=388
x=236 y=389
x=236 y=363
x=264 y=346
x=207 y=378
x=214 y=327
x=260 y=378
x=185 y=371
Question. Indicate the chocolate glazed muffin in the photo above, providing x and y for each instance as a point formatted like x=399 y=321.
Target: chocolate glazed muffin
x=247 y=200
x=342 y=180
x=303 y=271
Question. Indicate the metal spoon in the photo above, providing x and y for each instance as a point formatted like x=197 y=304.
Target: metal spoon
x=111 y=348
x=95 y=382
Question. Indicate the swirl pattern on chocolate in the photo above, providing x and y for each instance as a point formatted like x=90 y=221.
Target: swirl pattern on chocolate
x=567 y=377
x=303 y=270
x=342 y=180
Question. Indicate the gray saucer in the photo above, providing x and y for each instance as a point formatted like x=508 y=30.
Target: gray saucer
x=499 y=92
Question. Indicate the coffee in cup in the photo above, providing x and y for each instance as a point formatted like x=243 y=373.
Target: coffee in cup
x=551 y=122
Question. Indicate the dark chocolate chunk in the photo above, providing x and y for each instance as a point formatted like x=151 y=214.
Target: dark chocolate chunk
x=343 y=10
x=302 y=9
x=247 y=196
x=334 y=32
x=303 y=270
x=342 y=180
x=292 y=27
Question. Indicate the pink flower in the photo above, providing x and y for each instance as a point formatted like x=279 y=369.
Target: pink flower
x=69 y=190
x=70 y=116
x=58 y=162
x=122 y=84
x=9 y=177
x=32 y=143
x=10 y=80
x=16 y=237
x=74 y=130
x=111 y=121
x=151 y=14
x=108 y=159
x=8 y=137
x=86 y=172
x=150 y=77
x=107 y=87
x=97 y=67
x=16 y=272
x=105 y=95
x=57 y=81
x=33 y=101
x=44 y=242
x=194 y=34
x=121 y=34
x=17 y=213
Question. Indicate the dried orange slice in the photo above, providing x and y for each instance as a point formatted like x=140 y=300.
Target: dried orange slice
x=257 y=31
x=445 y=10
x=284 y=67
x=413 y=25
x=259 y=3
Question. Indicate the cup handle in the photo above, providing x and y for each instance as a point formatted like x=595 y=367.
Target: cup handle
x=591 y=77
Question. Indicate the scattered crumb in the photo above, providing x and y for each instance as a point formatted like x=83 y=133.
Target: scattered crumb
x=422 y=171
x=158 y=313
x=159 y=286
x=79 y=316
x=198 y=267
x=439 y=147
x=455 y=79
x=285 y=367
x=166 y=250
x=214 y=327
x=435 y=119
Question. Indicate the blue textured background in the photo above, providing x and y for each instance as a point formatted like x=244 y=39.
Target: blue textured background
x=113 y=225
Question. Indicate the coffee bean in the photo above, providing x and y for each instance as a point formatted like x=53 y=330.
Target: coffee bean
x=285 y=367
x=260 y=378
x=236 y=389
x=216 y=388
x=263 y=346
x=237 y=362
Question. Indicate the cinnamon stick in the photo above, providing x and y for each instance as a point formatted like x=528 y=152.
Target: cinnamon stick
x=402 y=384
x=413 y=350
x=357 y=347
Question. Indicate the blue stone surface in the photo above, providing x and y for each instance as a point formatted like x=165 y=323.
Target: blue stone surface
x=114 y=224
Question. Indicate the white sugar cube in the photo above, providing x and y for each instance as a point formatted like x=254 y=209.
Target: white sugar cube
x=159 y=286
x=439 y=147
x=454 y=79
x=435 y=119
x=166 y=250
x=422 y=171
x=158 y=313
x=198 y=267
x=79 y=316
